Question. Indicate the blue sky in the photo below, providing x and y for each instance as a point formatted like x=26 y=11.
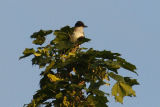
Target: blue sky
x=130 y=27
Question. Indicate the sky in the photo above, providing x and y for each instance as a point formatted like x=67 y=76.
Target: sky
x=129 y=27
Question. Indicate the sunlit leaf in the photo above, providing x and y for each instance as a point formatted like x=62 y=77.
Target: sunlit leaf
x=53 y=78
x=120 y=90
x=37 y=54
x=106 y=77
x=127 y=89
x=65 y=102
x=74 y=70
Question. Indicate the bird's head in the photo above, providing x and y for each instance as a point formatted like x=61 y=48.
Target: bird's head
x=80 y=24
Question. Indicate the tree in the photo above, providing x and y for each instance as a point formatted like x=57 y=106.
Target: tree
x=72 y=76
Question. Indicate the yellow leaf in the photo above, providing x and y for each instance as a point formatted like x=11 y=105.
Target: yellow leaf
x=63 y=57
x=65 y=102
x=71 y=54
x=40 y=50
x=120 y=90
x=45 y=49
x=117 y=92
x=74 y=92
x=74 y=70
x=53 y=78
x=106 y=77
x=128 y=89
x=37 y=54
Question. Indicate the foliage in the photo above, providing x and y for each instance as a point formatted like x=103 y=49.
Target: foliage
x=72 y=76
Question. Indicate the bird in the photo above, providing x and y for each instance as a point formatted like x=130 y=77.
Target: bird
x=77 y=34
x=78 y=31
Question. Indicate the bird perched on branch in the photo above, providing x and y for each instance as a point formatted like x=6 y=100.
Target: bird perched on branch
x=78 y=31
x=77 y=34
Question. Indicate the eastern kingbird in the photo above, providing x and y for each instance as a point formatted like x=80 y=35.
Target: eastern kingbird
x=78 y=31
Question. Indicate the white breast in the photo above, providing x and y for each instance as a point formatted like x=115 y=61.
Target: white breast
x=78 y=32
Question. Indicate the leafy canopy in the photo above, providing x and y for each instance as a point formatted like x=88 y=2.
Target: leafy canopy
x=72 y=76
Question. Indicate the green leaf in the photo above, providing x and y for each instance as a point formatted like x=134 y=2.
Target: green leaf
x=40 y=60
x=62 y=40
x=101 y=101
x=64 y=33
x=27 y=52
x=39 y=40
x=82 y=40
x=96 y=85
x=59 y=95
x=41 y=33
x=97 y=101
x=131 y=82
x=107 y=54
x=103 y=54
x=126 y=65
x=116 y=77
x=98 y=92
x=41 y=96
x=75 y=86
x=91 y=101
x=120 y=90
x=112 y=65
x=40 y=36
x=61 y=45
